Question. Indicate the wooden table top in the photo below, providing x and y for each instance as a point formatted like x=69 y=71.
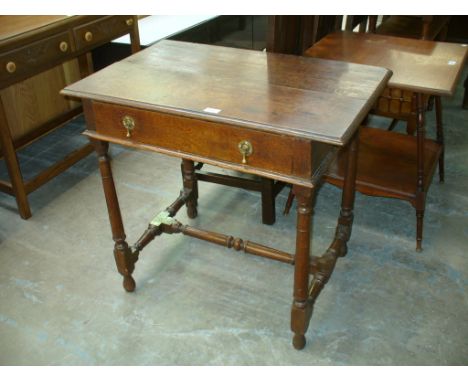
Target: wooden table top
x=11 y=26
x=321 y=100
x=428 y=67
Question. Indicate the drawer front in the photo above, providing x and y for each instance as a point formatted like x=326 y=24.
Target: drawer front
x=216 y=141
x=21 y=62
x=101 y=31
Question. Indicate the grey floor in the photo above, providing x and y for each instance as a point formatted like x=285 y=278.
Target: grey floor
x=61 y=300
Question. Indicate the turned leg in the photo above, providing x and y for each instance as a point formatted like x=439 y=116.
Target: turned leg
x=268 y=201
x=419 y=227
x=13 y=167
x=190 y=185
x=123 y=255
x=302 y=308
x=420 y=193
x=345 y=221
x=440 y=137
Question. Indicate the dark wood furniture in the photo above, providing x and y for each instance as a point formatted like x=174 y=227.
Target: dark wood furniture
x=31 y=45
x=278 y=116
x=392 y=164
x=423 y=27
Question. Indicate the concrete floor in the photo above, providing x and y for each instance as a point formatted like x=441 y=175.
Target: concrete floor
x=61 y=300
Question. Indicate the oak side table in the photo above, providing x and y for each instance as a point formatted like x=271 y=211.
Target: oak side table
x=391 y=164
x=278 y=116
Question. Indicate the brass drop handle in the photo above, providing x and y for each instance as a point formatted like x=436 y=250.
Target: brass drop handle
x=11 y=67
x=246 y=149
x=63 y=46
x=129 y=124
x=88 y=36
x=129 y=22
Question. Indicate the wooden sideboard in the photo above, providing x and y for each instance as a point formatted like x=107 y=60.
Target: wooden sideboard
x=39 y=55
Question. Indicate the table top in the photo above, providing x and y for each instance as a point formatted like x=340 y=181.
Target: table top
x=311 y=98
x=428 y=67
x=11 y=26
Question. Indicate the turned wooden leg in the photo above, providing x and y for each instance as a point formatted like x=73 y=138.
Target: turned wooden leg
x=13 y=167
x=122 y=253
x=268 y=201
x=345 y=221
x=419 y=229
x=190 y=185
x=420 y=193
x=440 y=137
x=302 y=308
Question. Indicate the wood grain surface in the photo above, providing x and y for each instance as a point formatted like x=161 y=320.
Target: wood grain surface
x=428 y=67
x=315 y=99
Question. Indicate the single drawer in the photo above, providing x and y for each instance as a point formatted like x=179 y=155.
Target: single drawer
x=270 y=152
x=102 y=30
x=29 y=59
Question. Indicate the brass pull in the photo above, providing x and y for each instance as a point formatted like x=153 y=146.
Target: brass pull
x=129 y=124
x=11 y=67
x=88 y=36
x=246 y=149
x=63 y=46
x=129 y=22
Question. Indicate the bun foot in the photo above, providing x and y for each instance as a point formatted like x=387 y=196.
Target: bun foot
x=129 y=283
x=299 y=341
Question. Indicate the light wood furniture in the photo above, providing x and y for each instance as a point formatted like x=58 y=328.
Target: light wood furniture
x=418 y=27
x=33 y=46
x=278 y=116
x=392 y=164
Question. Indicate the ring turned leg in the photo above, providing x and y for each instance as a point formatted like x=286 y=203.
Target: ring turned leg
x=306 y=294
x=302 y=307
x=190 y=185
x=123 y=255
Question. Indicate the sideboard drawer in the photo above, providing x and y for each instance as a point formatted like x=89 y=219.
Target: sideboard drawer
x=216 y=141
x=102 y=30
x=38 y=55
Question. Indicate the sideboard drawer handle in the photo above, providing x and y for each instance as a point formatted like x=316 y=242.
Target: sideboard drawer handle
x=129 y=124
x=63 y=46
x=88 y=36
x=246 y=149
x=11 y=67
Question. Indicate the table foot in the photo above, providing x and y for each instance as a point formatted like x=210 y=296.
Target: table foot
x=125 y=260
x=129 y=283
x=301 y=313
x=299 y=341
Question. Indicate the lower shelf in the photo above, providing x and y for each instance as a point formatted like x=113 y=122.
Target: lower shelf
x=387 y=164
